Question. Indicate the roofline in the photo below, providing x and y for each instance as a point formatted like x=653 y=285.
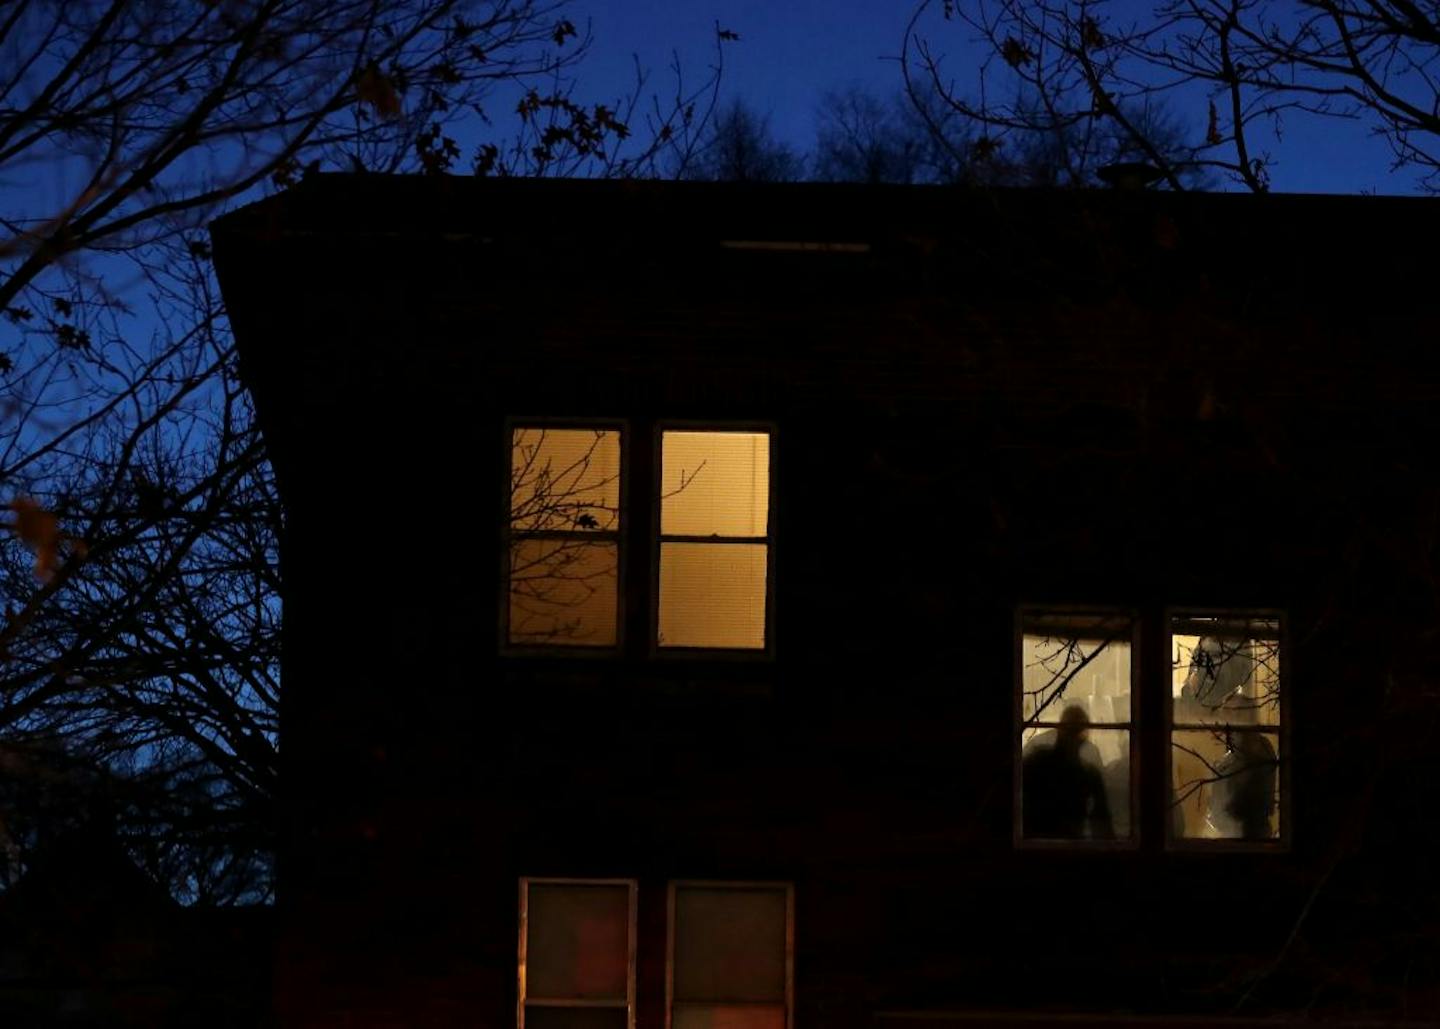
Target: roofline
x=466 y=207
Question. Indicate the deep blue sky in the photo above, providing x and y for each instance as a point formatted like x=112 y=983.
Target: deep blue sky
x=790 y=51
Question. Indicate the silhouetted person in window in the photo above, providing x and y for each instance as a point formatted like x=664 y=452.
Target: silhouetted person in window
x=1243 y=797
x=1220 y=684
x=1063 y=795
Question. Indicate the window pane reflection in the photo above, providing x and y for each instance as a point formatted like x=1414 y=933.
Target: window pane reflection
x=1225 y=755
x=1225 y=672
x=564 y=480
x=563 y=591
x=1226 y=784
x=1070 y=669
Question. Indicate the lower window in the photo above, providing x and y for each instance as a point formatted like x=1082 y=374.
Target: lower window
x=577 y=954
x=730 y=963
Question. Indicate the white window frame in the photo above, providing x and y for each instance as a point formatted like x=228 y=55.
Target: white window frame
x=521 y=996
x=658 y=539
x=1280 y=843
x=737 y=885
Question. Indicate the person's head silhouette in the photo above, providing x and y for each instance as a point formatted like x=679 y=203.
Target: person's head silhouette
x=1074 y=727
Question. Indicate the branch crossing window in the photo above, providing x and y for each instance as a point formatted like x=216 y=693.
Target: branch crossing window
x=1225 y=728
x=730 y=956
x=715 y=539
x=577 y=954
x=1075 y=726
x=563 y=537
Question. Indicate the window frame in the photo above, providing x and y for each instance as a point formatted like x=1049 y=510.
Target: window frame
x=1281 y=842
x=610 y=651
x=1017 y=731
x=657 y=539
x=730 y=884
x=521 y=999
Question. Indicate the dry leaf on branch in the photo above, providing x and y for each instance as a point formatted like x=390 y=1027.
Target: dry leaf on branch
x=39 y=530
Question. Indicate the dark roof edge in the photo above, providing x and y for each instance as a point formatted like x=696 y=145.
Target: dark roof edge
x=348 y=204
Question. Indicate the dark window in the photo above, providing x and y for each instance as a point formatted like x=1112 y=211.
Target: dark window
x=730 y=961
x=577 y=954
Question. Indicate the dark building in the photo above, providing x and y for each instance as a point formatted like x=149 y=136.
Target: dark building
x=88 y=939
x=718 y=607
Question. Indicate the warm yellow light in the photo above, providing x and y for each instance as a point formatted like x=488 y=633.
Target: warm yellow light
x=563 y=592
x=715 y=484
x=712 y=595
x=564 y=480
x=714 y=539
x=564 y=525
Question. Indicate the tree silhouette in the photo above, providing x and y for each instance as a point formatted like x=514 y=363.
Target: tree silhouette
x=1187 y=87
x=142 y=583
x=739 y=146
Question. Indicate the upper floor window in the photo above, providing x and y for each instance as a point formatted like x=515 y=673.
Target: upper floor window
x=1075 y=715
x=731 y=956
x=714 y=539
x=563 y=537
x=577 y=954
x=565 y=534
x=1226 y=705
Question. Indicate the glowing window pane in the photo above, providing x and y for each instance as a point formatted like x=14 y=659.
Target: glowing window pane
x=729 y=946
x=1075 y=682
x=1225 y=671
x=712 y=595
x=1225 y=758
x=562 y=591
x=577 y=942
x=715 y=484
x=564 y=480
x=1077 y=667
x=563 y=537
x=1226 y=784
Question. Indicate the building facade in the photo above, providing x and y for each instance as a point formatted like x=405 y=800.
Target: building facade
x=794 y=606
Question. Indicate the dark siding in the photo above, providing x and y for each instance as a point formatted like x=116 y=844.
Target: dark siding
x=972 y=421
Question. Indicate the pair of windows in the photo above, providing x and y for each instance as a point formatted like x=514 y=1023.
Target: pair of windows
x=571 y=505
x=728 y=955
x=1077 y=716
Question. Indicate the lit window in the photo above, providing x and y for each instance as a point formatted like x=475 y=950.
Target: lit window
x=730 y=956
x=1075 y=723
x=1225 y=758
x=577 y=954
x=563 y=537
x=714 y=539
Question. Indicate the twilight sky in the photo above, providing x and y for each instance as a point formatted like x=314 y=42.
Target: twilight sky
x=791 y=51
